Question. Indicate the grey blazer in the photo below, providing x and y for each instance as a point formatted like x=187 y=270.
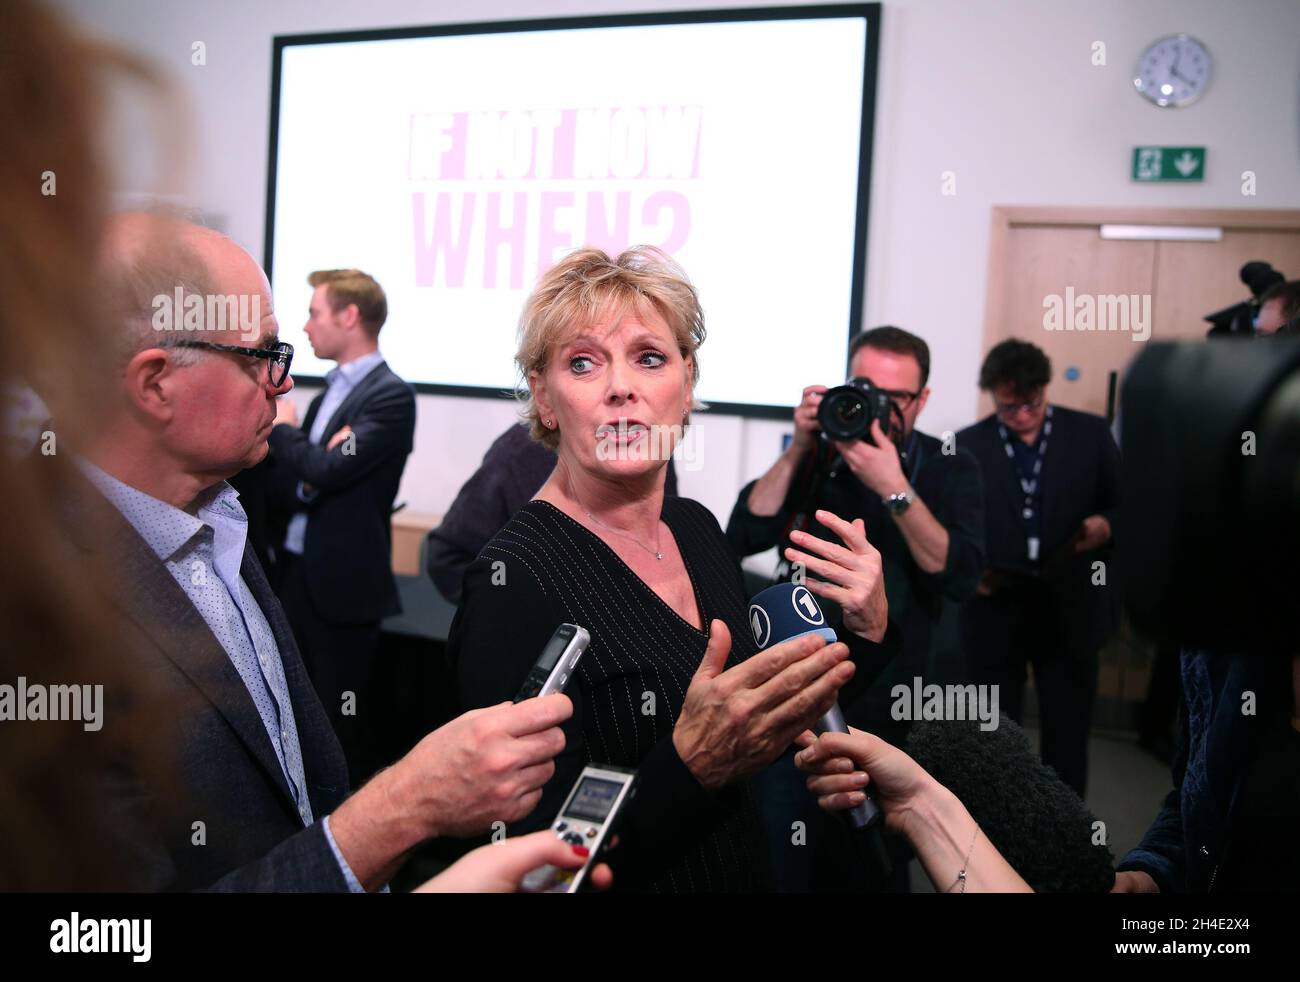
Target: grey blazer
x=192 y=794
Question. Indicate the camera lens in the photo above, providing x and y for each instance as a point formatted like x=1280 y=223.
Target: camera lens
x=844 y=414
x=849 y=411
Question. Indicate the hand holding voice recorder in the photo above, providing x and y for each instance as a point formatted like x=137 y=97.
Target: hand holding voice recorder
x=553 y=669
x=587 y=819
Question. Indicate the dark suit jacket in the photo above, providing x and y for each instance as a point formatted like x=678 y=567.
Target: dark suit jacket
x=264 y=534
x=347 y=552
x=187 y=743
x=1080 y=478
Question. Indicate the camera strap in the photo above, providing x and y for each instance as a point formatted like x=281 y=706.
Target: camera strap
x=824 y=465
x=910 y=457
x=810 y=478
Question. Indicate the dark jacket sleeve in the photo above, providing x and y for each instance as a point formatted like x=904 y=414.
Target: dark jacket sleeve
x=1108 y=475
x=303 y=862
x=499 y=630
x=960 y=510
x=446 y=556
x=480 y=511
x=504 y=621
x=869 y=658
x=382 y=428
x=1160 y=854
x=749 y=533
x=282 y=485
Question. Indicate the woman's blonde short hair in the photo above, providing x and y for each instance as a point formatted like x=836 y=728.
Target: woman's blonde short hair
x=587 y=286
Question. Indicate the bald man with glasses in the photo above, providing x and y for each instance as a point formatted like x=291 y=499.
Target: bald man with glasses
x=219 y=769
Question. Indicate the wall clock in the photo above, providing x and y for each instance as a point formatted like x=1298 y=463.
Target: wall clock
x=1173 y=71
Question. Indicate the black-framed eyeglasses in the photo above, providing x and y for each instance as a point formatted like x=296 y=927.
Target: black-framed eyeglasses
x=1012 y=408
x=279 y=356
x=901 y=397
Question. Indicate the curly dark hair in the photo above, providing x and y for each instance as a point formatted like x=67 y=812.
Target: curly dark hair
x=1019 y=364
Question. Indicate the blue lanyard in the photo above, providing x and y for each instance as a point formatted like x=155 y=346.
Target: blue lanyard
x=1029 y=485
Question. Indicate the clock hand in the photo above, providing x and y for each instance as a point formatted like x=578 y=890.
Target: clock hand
x=1174 y=69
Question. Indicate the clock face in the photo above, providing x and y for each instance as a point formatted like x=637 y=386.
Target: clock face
x=1174 y=71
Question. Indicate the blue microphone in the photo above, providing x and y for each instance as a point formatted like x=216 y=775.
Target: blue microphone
x=787 y=611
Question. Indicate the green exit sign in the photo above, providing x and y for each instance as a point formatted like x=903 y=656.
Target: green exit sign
x=1152 y=164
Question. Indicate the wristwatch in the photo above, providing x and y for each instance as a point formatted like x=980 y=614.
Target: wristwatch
x=899 y=501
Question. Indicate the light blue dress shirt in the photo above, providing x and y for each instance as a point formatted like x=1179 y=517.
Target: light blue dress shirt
x=339 y=383
x=204 y=551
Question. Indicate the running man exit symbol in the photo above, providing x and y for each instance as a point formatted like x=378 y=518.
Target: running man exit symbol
x=1158 y=164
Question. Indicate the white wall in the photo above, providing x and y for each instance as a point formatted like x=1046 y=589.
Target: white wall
x=1001 y=92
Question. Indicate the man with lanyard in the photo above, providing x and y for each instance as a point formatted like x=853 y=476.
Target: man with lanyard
x=1047 y=596
x=920 y=499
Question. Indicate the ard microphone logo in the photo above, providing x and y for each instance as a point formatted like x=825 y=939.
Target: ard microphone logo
x=761 y=625
x=806 y=607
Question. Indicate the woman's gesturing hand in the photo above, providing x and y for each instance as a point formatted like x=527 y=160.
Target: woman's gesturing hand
x=852 y=573
x=737 y=721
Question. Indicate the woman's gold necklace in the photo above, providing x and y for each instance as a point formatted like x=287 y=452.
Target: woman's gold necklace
x=656 y=552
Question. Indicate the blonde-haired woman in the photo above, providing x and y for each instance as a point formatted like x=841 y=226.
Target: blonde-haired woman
x=670 y=684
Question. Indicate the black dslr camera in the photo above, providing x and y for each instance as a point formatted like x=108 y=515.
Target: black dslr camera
x=846 y=411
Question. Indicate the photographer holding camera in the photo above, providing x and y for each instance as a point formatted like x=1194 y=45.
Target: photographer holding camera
x=922 y=502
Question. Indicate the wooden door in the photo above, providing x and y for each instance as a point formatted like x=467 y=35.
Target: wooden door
x=1091 y=302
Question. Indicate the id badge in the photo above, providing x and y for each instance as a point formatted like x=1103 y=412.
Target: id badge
x=1033 y=548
